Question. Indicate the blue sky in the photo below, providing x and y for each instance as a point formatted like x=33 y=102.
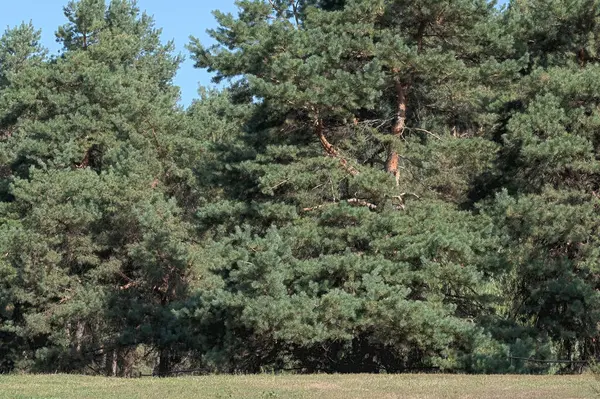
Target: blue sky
x=178 y=18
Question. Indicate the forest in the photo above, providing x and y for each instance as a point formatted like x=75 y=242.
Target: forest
x=378 y=186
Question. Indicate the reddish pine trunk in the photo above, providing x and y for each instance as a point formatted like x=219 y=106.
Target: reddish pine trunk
x=391 y=165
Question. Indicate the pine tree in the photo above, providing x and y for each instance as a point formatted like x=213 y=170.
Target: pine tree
x=329 y=246
x=97 y=249
x=545 y=202
x=20 y=53
x=381 y=186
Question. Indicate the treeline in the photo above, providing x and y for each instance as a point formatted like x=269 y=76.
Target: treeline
x=381 y=186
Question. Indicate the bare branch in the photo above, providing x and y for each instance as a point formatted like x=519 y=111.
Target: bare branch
x=400 y=199
x=128 y=285
x=279 y=184
x=351 y=201
x=413 y=194
x=316 y=208
x=277 y=9
x=295 y=11
x=360 y=202
x=332 y=151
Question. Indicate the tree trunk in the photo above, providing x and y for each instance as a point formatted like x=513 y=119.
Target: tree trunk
x=581 y=57
x=79 y=336
x=164 y=366
x=391 y=165
x=115 y=362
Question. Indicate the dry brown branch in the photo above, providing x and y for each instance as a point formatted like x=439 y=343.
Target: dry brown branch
x=316 y=208
x=332 y=151
x=279 y=184
x=360 y=202
x=85 y=162
x=400 y=199
x=351 y=201
x=128 y=285
x=412 y=194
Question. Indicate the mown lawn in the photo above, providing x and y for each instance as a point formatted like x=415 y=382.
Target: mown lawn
x=309 y=387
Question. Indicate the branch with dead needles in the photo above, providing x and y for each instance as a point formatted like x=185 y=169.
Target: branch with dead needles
x=360 y=202
x=351 y=201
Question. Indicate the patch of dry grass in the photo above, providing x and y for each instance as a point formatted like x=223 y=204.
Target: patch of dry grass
x=302 y=387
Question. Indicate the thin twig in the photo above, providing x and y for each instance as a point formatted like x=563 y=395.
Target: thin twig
x=279 y=184
x=424 y=131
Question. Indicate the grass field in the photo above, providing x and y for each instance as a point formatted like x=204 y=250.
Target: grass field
x=309 y=387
